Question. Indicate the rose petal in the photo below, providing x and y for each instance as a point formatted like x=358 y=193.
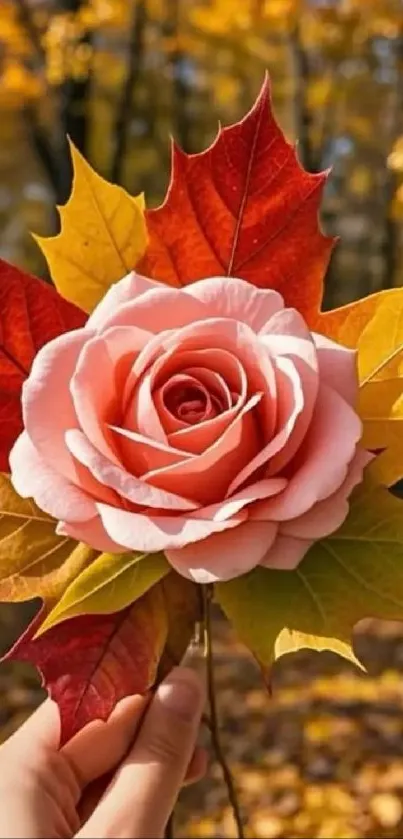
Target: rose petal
x=236 y=299
x=141 y=532
x=157 y=310
x=338 y=367
x=291 y=404
x=139 y=454
x=328 y=515
x=286 y=553
x=196 y=439
x=222 y=334
x=224 y=555
x=232 y=506
x=98 y=381
x=289 y=336
x=205 y=477
x=168 y=419
x=329 y=448
x=33 y=478
x=286 y=322
x=215 y=384
x=141 y=414
x=125 y=291
x=47 y=404
x=116 y=478
x=90 y=532
x=177 y=360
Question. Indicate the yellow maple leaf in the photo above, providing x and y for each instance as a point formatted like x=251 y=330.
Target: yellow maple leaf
x=109 y=584
x=374 y=326
x=34 y=560
x=291 y=640
x=103 y=235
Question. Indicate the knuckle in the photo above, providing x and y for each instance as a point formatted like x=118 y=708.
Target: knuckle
x=163 y=747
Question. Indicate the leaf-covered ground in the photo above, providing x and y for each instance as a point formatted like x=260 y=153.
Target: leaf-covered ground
x=323 y=757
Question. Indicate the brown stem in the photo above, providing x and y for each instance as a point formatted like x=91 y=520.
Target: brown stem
x=213 y=722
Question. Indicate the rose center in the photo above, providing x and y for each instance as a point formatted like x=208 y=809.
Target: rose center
x=189 y=403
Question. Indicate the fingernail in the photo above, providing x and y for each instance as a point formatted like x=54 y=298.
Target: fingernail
x=182 y=693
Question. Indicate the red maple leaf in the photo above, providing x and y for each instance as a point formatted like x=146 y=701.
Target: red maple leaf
x=31 y=314
x=90 y=662
x=244 y=208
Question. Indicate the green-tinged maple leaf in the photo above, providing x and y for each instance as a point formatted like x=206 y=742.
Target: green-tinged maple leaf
x=102 y=237
x=109 y=584
x=34 y=560
x=290 y=641
x=353 y=574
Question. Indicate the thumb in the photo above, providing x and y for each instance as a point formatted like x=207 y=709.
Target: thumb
x=143 y=792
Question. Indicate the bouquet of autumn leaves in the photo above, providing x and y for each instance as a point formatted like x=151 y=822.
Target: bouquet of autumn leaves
x=180 y=423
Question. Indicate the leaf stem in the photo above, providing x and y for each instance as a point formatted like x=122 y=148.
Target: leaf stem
x=213 y=722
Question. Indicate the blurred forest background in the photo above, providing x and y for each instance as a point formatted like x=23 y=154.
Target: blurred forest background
x=324 y=756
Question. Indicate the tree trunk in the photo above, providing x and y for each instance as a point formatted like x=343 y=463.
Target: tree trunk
x=134 y=65
x=180 y=84
x=73 y=112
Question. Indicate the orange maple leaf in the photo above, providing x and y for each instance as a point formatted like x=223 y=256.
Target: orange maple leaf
x=246 y=208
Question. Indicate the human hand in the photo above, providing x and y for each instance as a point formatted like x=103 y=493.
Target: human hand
x=149 y=746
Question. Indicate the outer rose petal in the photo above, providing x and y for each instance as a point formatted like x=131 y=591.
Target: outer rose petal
x=153 y=533
x=236 y=299
x=338 y=367
x=158 y=310
x=46 y=388
x=91 y=532
x=286 y=553
x=231 y=507
x=334 y=433
x=126 y=290
x=224 y=555
x=328 y=515
x=33 y=478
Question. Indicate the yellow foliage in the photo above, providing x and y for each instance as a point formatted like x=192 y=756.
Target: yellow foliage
x=102 y=237
x=395 y=159
x=18 y=85
x=109 y=584
x=34 y=560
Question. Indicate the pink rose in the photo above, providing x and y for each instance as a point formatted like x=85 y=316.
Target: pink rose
x=207 y=422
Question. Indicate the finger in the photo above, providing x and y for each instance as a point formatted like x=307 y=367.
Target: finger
x=92 y=794
x=101 y=746
x=143 y=792
x=197 y=767
x=42 y=728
